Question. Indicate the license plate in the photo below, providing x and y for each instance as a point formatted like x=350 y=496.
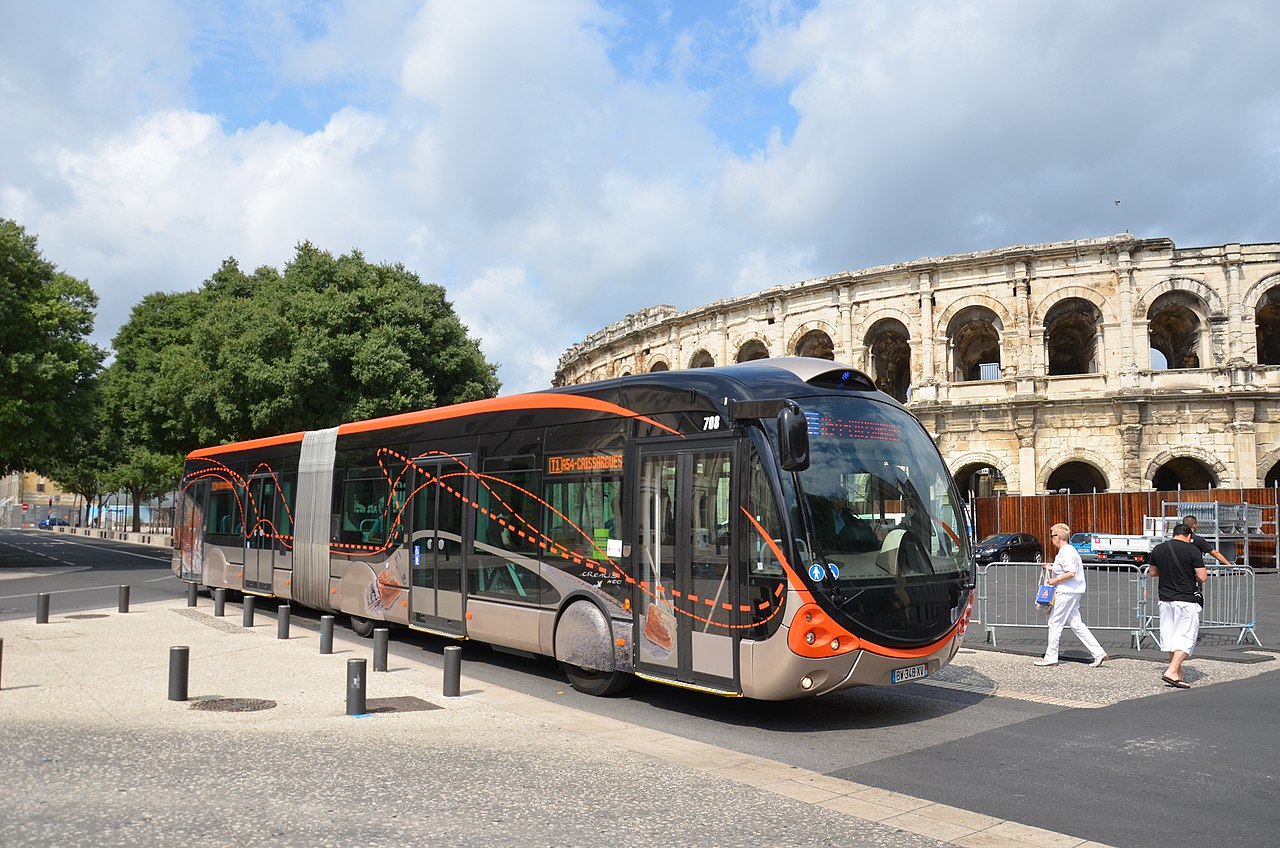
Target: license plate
x=911 y=672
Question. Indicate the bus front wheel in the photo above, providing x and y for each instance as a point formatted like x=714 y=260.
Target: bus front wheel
x=588 y=681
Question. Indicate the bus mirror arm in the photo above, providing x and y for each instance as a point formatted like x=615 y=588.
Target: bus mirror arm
x=793 y=438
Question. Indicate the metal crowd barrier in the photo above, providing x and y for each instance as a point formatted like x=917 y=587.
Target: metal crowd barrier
x=1121 y=598
x=1230 y=603
x=1115 y=598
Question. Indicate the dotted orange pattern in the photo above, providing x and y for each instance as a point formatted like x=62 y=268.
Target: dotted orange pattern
x=216 y=470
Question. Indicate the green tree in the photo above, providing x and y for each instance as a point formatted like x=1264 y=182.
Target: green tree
x=47 y=366
x=250 y=355
x=144 y=474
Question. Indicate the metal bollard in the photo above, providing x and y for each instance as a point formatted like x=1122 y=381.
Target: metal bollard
x=249 y=603
x=192 y=591
x=452 y=671
x=1 y=663
x=326 y=634
x=282 y=621
x=123 y=604
x=179 y=662
x=42 y=608
x=355 y=687
x=219 y=601
x=380 y=636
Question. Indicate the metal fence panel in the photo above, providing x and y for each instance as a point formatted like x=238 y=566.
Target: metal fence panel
x=1230 y=603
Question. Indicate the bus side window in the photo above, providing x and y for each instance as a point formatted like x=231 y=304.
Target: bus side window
x=765 y=577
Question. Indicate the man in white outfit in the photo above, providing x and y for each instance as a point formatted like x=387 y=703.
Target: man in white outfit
x=1066 y=575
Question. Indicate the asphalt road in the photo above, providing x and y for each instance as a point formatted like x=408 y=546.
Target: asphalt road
x=1165 y=772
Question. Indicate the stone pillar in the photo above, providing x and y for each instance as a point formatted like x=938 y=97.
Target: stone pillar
x=1234 y=273
x=1245 y=438
x=926 y=327
x=1128 y=341
x=1026 y=425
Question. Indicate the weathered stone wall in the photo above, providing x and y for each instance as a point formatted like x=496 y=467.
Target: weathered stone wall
x=1116 y=412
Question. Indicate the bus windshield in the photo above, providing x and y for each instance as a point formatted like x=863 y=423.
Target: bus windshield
x=887 y=546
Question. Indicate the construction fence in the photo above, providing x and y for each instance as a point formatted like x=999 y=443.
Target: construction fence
x=1120 y=599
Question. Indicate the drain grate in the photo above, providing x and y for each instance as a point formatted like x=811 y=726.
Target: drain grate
x=402 y=704
x=88 y=615
x=232 y=705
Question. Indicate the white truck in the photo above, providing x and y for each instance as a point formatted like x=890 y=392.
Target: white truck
x=1123 y=550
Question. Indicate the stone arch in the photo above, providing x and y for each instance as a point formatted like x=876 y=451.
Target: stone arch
x=888 y=344
x=970 y=463
x=1262 y=306
x=1041 y=310
x=1217 y=469
x=1269 y=468
x=949 y=312
x=975 y=344
x=1177 y=329
x=1212 y=301
x=702 y=359
x=1106 y=469
x=751 y=349
x=658 y=364
x=807 y=334
x=1072 y=337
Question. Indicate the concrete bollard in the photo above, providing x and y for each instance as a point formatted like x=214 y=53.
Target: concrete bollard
x=249 y=604
x=282 y=621
x=42 y=608
x=219 y=602
x=122 y=604
x=326 y=634
x=452 y=671
x=179 y=663
x=192 y=592
x=1 y=663
x=380 y=637
x=355 y=687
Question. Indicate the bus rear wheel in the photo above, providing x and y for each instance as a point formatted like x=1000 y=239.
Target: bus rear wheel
x=362 y=627
x=588 y=681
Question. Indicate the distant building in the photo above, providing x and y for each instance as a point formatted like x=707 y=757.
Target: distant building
x=41 y=495
x=1102 y=364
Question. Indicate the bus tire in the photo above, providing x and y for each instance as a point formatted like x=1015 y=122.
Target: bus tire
x=362 y=627
x=588 y=681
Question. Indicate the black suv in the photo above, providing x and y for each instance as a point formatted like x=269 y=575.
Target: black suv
x=1008 y=547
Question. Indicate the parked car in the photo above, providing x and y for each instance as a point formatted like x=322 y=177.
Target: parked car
x=1008 y=547
x=52 y=521
x=1083 y=543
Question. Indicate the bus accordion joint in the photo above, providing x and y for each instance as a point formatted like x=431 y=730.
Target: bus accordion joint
x=815 y=636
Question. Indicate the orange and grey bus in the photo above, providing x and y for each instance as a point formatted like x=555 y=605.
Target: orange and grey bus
x=773 y=529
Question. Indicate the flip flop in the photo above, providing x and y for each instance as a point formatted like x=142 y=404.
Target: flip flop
x=1176 y=684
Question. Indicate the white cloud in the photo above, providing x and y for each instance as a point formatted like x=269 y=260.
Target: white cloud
x=554 y=182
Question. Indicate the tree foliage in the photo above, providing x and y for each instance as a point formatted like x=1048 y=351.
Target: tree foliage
x=47 y=366
x=250 y=355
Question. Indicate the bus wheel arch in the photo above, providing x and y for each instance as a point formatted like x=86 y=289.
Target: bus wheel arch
x=584 y=649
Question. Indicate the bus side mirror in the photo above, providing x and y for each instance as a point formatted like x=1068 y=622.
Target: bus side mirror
x=793 y=438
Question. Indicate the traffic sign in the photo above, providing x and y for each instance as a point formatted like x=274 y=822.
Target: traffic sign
x=26 y=507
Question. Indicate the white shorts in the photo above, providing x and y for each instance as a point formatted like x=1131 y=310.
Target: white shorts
x=1179 y=626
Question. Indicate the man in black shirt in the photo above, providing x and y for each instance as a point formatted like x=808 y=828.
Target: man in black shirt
x=1205 y=546
x=1178 y=565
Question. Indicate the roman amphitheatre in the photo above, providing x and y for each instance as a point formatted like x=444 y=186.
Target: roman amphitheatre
x=1115 y=364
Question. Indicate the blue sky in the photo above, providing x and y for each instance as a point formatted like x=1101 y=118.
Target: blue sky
x=557 y=165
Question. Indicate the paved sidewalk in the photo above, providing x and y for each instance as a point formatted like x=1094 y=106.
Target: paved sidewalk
x=95 y=754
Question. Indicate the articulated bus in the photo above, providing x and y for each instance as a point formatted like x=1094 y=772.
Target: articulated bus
x=773 y=529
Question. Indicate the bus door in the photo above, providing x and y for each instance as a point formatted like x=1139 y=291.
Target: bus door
x=686 y=592
x=438 y=546
x=260 y=497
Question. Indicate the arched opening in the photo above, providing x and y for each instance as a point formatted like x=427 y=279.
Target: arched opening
x=659 y=366
x=1272 y=478
x=1071 y=337
x=817 y=344
x=1173 y=330
x=890 y=349
x=702 y=359
x=752 y=351
x=978 y=480
x=1077 y=478
x=1267 y=320
x=973 y=341
x=1183 y=472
